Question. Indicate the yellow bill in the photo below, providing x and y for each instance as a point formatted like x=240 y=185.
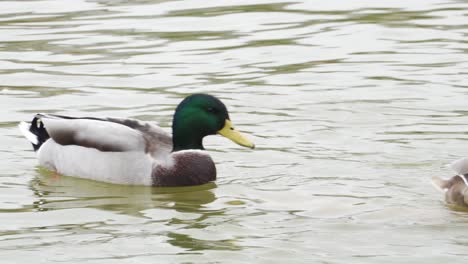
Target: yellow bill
x=234 y=135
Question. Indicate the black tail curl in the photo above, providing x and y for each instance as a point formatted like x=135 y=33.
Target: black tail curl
x=38 y=129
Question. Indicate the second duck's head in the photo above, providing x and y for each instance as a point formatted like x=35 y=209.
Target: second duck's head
x=200 y=115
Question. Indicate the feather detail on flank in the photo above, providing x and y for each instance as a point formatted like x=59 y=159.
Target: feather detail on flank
x=24 y=128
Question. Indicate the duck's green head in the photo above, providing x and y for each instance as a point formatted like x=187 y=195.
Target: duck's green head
x=200 y=115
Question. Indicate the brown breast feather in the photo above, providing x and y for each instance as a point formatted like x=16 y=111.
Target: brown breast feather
x=188 y=168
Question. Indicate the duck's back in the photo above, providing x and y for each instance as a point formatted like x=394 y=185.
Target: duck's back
x=122 y=151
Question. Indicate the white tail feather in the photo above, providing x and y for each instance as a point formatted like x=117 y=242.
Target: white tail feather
x=24 y=128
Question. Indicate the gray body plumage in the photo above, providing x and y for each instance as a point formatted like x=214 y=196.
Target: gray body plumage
x=121 y=151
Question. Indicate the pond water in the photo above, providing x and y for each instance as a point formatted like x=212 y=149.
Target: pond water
x=353 y=106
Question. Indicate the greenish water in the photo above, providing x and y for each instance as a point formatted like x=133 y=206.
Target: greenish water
x=353 y=107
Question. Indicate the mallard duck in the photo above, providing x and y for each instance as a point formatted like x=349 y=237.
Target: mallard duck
x=129 y=151
x=455 y=188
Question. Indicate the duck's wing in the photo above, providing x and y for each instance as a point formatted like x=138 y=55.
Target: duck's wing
x=92 y=133
x=158 y=141
x=106 y=134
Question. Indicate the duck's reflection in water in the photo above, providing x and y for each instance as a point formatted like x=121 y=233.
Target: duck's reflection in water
x=188 y=215
x=62 y=192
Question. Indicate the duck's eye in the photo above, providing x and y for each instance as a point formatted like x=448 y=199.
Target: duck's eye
x=211 y=110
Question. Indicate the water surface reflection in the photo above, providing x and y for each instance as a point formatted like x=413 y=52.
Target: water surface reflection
x=354 y=106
